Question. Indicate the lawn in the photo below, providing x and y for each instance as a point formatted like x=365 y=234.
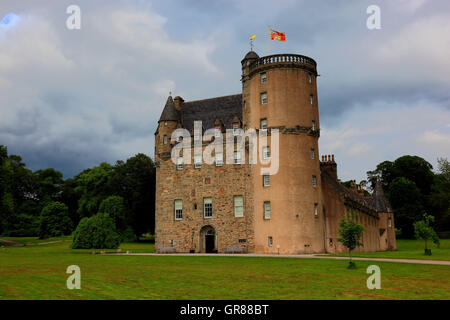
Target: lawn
x=39 y=272
x=411 y=249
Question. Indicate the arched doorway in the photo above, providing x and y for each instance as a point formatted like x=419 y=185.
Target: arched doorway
x=208 y=240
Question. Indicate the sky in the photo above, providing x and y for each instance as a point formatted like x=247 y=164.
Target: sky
x=70 y=99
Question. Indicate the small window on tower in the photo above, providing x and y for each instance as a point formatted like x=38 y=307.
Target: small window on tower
x=266 y=180
x=267 y=212
x=314 y=181
x=389 y=222
x=270 y=241
x=264 y=98
x=313 y=125
x=178 y=209
x=316 y=209
x=165 y=139
x=263 y=77
x=165 y=123
x=309 y=77
x=311 y=99
x=313 y=153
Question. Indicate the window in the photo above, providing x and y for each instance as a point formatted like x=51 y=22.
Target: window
x=311 y=99
x=178 y=209
x=267 y=210
x=313 y=153
x=245 y=104
x=313 y=125
x=238 y=206
x=218 y=132
x=219 y=159
x=330 y=241
x=263 y=124
x=180 y=138
x=165 y=123
x=264 y=98
x=242 y=240
x=266 y=152
x=165 y=139
x=309 y=77
x=207 y=207
x=316 y=209
x=389 y=222
x=180 y=163
x=270 y=241
x=197 y=161
x=237 y=157
x=314 y=181
x=263 y=77
x=266 y=180
x=236 y=128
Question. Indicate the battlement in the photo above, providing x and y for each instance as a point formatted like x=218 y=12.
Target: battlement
x=283 y=60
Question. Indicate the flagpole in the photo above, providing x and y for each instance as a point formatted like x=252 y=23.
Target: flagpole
x=269 y=41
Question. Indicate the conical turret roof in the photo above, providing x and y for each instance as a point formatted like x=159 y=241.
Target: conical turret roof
x=170 y=113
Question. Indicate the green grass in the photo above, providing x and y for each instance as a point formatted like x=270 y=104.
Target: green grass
x=410 y=249
x=39 y=272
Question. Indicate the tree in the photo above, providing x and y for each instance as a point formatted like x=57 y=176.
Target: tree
x=54 y=221
x=115 y=208
x=407 y=202
x=384 y=173
x=134 y=181
x=424 y=231
x=94 y=185
x=350 y=233
x=96 y=232
x=70 y=197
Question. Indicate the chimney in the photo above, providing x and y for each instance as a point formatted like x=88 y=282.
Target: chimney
x=329 y=166
x=178 y=101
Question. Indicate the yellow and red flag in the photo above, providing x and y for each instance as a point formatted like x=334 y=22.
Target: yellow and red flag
x=275 y=35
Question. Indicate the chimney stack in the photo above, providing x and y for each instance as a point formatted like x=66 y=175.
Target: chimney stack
x=329 y=166
x=178 y=101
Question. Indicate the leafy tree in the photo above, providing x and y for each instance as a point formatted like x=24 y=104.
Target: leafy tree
x=415 y=169
x=406 y=201
x=98 y=231
x=444 y=168
x=424 y=230
x=54 y=220
x=70 y=197
x=49 y=184
x=383 y=172
x=350 y=233
x=115 y=208
x=94 y=185
x=134 y=181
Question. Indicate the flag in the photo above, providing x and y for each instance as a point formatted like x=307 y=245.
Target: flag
x=275 y=35
x=252 y=37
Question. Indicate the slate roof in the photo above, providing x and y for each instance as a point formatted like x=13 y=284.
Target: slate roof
x=170 y=113
x=207 y=110
x=379 y=200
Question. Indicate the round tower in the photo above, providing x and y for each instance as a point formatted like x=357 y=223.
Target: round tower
x=168 y=122
x=280 y=92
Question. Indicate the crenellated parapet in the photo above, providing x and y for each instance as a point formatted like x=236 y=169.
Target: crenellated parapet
x=282 y=61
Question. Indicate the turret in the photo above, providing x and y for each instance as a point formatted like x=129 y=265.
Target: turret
x=168 y=122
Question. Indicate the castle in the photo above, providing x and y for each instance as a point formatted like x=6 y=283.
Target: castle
x=223 y=207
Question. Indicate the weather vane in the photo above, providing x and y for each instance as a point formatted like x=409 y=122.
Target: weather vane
x=251 y=42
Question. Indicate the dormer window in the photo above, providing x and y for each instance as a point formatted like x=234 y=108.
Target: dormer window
x=236 y=128
x=263 y=77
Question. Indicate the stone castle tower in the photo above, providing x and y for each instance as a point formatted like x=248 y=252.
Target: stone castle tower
x=223 y=207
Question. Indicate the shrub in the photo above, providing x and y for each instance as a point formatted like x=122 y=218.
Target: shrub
x=96 y=232
x=55 y=220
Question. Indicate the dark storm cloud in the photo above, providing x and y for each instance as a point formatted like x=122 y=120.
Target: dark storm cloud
x=71 y=99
